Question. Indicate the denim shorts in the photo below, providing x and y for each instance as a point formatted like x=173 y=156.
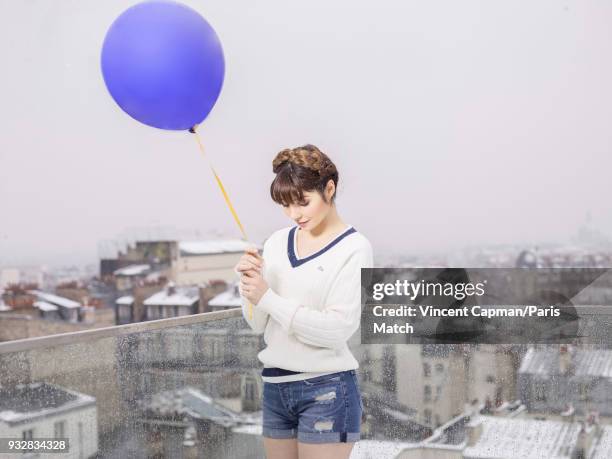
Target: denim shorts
x=324 y=409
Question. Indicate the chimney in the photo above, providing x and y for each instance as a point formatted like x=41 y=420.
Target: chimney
x=140 y=294
x=88 y=314
x=566 y=366
x=593 y=421
x=474 y=426
x=590 y=429
x=488 y=405
x=474 y=429
x=583 y=442
x=210 y=290
x=569 y=413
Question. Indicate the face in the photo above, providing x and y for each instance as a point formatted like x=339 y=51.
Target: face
x=313 y=210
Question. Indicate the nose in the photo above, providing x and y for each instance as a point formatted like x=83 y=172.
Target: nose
x=294 y=214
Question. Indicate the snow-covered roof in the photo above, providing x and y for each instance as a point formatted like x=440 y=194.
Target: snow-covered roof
x=523 y=438
x=587 y=362
x=126 y=300
x=191 y=248
x=602 y=448
x=452 y=433
x=44 y=306
x=132 y=270
x=3 y=305
x=398 y=415
x=374 y=449
x=227 y=298
x=28 y=402
x=192 y=401
x=182 y=296
x=55 y=299
x=251 y=429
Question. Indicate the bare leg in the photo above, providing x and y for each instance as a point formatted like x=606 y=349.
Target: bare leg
x=285 y=448
x=325 y=450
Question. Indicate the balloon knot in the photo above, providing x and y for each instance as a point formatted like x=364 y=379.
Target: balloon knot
x=192 y=130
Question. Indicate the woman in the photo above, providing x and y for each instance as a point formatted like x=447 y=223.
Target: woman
x=306 y=297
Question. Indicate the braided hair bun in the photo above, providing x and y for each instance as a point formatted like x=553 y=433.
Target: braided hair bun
x=300 y=169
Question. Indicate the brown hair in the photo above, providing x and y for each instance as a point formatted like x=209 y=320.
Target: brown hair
x=300 y=169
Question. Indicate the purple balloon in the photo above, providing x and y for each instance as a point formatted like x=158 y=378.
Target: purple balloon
x=163 y=64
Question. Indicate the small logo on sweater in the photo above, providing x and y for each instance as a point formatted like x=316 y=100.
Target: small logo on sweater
x=320 y=268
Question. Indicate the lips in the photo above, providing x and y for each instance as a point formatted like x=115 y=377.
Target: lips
x=302 y=223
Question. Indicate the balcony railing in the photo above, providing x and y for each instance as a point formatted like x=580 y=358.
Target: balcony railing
x=190 y=386
x=181 y=387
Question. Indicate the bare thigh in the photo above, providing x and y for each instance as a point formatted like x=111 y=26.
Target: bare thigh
x=325 y=450
x=281 y=448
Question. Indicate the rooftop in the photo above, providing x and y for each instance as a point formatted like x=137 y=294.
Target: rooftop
x=174 y=296
x=126 y=300
x=132 y=270
x=587 y=362
x=28 y=401
x=44 y=306
x=229 y=297
x=55 y=299
x=189 y=400
x=524 y=438
x=191 y=248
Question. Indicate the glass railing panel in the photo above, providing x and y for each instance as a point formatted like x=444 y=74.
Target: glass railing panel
x=188 y=390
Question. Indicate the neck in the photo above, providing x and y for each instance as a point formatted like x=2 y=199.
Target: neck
x=331 y=223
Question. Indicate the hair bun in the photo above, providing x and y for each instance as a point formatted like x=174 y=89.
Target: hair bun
x=281 y=158
x=301 y=169
x=307 y=156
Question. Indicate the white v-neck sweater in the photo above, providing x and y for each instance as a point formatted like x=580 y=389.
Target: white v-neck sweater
x=312 y=306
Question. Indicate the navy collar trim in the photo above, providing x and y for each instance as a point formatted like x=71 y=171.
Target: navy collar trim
x=295 y=261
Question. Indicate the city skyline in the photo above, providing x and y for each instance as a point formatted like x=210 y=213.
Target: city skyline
x=447 y=125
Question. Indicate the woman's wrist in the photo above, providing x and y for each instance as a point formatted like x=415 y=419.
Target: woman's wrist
x=261 y=299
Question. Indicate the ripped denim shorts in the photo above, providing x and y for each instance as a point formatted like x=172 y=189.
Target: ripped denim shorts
x=324 y=409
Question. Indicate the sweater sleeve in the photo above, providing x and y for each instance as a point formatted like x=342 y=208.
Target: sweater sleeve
x=260 y=317
x=341 y=316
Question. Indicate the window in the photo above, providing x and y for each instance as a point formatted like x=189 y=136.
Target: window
x=584 y=391
x=27 y=435
x=427 y=393
x=216 y=349
x=59 y=428
x=427 y=416
x=439 y=368
x=426 y=369
x=490 y=378
x=249 y=390
x=438 y=392
x=437 y=417
x=147 y=380
x=540 y=391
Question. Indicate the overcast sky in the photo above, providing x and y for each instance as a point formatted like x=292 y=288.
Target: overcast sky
x=451 y=123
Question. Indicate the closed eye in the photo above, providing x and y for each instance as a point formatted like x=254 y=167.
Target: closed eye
x=302 y=204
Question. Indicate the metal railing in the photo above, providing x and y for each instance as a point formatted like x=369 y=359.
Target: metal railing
x=114 y=330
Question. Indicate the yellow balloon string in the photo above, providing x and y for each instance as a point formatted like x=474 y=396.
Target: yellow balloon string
x=225 y=195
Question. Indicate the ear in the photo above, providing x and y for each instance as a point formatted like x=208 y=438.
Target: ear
x=329 y=189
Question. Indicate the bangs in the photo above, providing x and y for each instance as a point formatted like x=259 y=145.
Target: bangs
x=285 y=190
